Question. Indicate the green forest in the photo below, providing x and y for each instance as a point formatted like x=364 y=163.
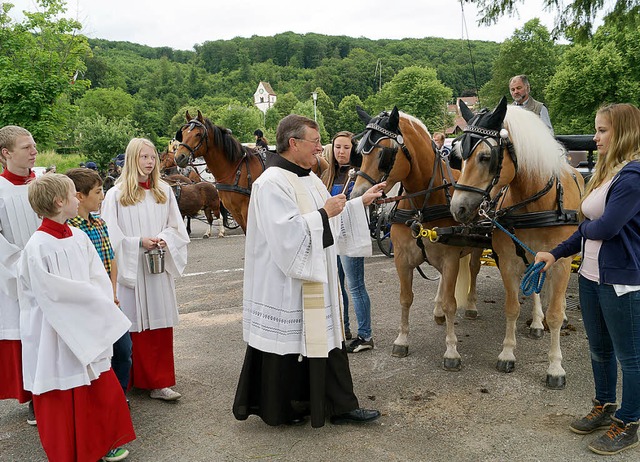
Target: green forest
x=77 y=94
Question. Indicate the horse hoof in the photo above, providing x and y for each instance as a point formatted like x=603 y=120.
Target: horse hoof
x=536 y=333
x=400 y=351
x=556 y=382
x=506 y=366
x=470 y=314
x=452 y=364
x=440 y=320
x=565 y=323
x=206 y=236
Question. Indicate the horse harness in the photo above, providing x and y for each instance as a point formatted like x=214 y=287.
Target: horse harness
x=235 y=186
x=507 y=217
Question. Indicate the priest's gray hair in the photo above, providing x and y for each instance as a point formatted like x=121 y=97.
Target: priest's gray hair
x=292 y=126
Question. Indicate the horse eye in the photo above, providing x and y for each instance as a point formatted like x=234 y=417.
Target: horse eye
x=484 y=157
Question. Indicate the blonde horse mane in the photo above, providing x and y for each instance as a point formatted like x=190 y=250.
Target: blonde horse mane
x=538 y=152
x=415 y=122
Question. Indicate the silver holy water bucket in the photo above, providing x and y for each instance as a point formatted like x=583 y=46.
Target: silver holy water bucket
x=155 y=261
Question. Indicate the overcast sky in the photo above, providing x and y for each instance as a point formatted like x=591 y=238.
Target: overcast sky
x=181 y=24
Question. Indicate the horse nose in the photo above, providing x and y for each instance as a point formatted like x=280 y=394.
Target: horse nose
x=181 y=160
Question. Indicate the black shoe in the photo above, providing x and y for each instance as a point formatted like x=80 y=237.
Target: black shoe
x=360 y=344
x=356 y=416
x=295 y=421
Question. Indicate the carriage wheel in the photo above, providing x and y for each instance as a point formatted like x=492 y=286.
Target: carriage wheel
x=228 y=222
x=383 y=234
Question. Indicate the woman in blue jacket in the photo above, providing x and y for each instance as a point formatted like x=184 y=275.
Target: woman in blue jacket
x=609 y=277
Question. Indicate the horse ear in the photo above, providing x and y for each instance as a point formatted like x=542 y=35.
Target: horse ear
x=188 y=116
x=497 y=116
x=200 y=118
x=366 y=118
x=179 y=135
x=467 y=115
x=394 y=119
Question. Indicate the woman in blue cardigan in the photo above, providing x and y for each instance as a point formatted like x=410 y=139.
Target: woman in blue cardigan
x=609 y=277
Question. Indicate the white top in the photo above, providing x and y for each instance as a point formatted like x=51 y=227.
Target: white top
x=148 y=300
x=68 y=319
x=284 y=248
x=18 y=222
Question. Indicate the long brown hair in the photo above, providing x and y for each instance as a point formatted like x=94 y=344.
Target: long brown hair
x=329 y=175
x=624 y=145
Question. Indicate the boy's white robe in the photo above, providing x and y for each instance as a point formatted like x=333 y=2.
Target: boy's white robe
x=284 y=248
x=148 y=300
x=18 y=222
x=68 y=319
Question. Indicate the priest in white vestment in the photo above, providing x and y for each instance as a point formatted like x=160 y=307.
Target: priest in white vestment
x=142 y=214
x=296 y=363
x=17 y=223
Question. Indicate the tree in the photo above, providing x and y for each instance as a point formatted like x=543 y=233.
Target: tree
x=41 y=61
x=241 y=120
x=574 y=20
x=286 y=103
x=347 y=116
x=416 y=91
x=111 y=103
x=101 y=139
x=529 y=51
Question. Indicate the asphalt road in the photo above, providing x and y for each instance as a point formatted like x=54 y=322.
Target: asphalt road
x=477 y=414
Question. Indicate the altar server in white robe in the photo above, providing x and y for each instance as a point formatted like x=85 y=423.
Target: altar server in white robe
x=142 y=214
x=68 y=324
x=296 y=363
x=17 y=223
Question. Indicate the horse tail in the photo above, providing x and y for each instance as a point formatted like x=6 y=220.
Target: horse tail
x=463 y=282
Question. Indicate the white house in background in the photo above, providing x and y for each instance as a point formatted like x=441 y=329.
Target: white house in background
x=264 y=97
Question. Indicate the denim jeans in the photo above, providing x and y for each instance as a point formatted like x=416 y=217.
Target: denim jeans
x=612 y=324
x=353 y=269
x=121 y=360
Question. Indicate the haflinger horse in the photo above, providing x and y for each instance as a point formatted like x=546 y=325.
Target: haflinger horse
x=516 y=174
x=397 y=147
x=234 y=166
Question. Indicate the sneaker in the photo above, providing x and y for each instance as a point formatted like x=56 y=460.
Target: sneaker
x=116 y=454
x=165 y=394
x=347 y=334
x=599 y=417
x=360 y=344
x=618 y=438
x=31 y=416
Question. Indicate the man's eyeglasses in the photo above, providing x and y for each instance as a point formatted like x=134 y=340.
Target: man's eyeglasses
x=316 y=142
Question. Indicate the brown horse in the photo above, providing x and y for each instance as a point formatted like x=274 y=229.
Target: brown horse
x=234 y=166
x=397 y=147
x=194 y=197
x=168 y=166
x=516 y=174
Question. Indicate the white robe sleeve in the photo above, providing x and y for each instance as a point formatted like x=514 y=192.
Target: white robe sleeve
x=295 y=240
x=176 y=237
x=126 y=248
x=353 y=237
x=81 y=312
x=9 y=256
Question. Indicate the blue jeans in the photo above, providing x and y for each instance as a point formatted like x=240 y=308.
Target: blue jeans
x=353 y=269
x=121 y=360
x=612 y=324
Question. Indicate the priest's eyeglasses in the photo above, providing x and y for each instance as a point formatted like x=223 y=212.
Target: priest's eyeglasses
x=317 y=142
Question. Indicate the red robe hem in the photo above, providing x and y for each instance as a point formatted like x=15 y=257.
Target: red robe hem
x=152 y=356
x=84 y=423
x=11 y=384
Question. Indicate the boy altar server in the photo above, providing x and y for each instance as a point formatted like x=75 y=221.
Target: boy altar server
x=68 y=324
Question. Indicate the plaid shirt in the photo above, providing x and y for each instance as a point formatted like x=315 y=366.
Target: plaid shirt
x=96 y=229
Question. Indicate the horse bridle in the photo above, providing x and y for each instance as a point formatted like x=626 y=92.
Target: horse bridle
x=497 y=142
x=191 y=125
x=387 y=155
